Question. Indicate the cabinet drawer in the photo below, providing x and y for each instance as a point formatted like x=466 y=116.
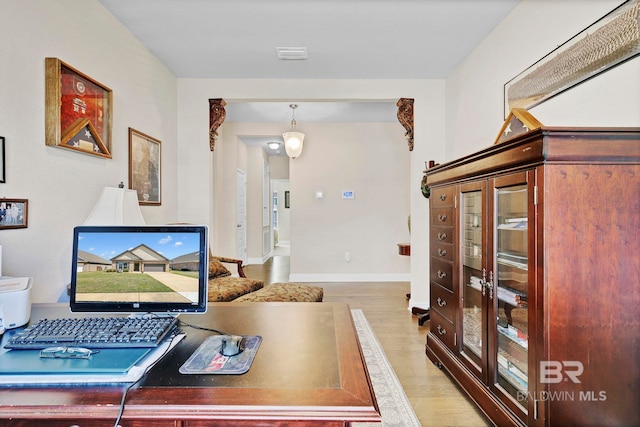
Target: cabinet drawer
x=441 y=250
x=442 y=234
x=442 y=216
x=442 y=196
x=442 y=273
x=443 y=329
x=442 y=301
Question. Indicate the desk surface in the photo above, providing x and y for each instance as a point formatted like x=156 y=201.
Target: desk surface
x=309 y=370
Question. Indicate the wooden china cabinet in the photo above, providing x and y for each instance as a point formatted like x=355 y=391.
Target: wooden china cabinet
x=535 y=276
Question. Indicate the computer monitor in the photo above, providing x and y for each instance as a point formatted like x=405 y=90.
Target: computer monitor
x=158 y=269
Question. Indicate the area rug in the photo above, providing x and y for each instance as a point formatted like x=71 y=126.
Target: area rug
x=392 y=401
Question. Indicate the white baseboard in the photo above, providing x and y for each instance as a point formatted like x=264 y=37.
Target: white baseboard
x=392 y=277
x=257 y=260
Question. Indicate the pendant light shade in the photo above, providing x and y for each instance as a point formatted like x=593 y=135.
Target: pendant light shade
x=293 y=140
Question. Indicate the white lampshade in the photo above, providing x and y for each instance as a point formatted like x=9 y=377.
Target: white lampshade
x=293 y=142
x=116 y=206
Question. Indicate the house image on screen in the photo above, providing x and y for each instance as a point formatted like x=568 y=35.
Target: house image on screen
x=187 y=262
x=90 y=262
x=140 y=259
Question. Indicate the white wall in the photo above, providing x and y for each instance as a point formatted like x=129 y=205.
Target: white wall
x=279 y=167
x=255 y=224
x=533 y=29
x=372 y=160
x=61 y=185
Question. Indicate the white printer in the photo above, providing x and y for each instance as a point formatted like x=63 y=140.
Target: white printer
x=15 y=301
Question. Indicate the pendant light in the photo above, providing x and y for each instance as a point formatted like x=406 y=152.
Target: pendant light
x=293 y=139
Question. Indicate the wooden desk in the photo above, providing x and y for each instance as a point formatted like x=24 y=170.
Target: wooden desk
x=308 y=371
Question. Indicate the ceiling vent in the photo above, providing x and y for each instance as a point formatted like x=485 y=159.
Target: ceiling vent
x=292 y=52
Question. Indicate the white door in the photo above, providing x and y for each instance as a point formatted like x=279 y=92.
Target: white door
x=241 y=216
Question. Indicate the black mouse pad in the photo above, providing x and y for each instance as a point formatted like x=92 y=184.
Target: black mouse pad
x=207 y=358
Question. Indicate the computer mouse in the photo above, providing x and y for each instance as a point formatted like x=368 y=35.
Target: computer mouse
x=232 y=345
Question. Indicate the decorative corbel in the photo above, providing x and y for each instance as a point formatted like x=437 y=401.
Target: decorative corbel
x=217 y=114
x=405 y=117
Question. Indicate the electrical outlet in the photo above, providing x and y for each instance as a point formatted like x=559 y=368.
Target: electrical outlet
x=347 y=256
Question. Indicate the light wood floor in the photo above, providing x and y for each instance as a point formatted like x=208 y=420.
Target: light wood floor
x=436 y=399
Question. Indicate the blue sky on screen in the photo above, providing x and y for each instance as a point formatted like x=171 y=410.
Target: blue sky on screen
x=108 y=245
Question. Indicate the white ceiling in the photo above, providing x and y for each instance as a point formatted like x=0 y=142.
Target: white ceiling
x=345 y=39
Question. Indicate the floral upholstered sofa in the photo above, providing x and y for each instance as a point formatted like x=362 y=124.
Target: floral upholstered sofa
x=225 y=286
x=284 y=292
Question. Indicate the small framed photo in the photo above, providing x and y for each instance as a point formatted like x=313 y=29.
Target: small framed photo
x=13 y=213
x=78 y=110
x=2 y=162
x=145 y=167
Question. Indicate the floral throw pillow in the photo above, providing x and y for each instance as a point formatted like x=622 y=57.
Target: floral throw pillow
x=216 y=269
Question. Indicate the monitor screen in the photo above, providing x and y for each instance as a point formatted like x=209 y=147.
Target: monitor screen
x=155 y=269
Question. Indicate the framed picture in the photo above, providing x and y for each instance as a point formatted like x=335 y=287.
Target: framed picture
x=610 y=41
x=78 y=110
x=2 y=163
x=13 y=213
x=144 y=167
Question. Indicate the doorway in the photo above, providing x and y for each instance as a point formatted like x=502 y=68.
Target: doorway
x=281 y=217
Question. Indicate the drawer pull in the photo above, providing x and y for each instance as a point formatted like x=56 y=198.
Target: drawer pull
x=442 y=236
x=441 y=302
x=442 y=252
x=441 y=274
x=441 y=330
x=443 y=197
x=442 y=217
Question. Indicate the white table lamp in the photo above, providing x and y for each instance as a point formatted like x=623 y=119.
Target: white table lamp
x=116 y=206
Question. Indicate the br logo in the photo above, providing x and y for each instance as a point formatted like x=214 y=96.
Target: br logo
x=553 y=372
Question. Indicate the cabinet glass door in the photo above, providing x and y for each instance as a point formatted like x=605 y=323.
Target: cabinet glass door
x=511 y=289
x=473 y=325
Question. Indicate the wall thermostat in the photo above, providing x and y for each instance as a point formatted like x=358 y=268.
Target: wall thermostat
x=348 y=194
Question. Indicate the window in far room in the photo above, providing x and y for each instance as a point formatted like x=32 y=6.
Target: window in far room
x=275 y=210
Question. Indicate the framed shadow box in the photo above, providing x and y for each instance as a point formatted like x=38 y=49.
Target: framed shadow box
x=78 y=110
